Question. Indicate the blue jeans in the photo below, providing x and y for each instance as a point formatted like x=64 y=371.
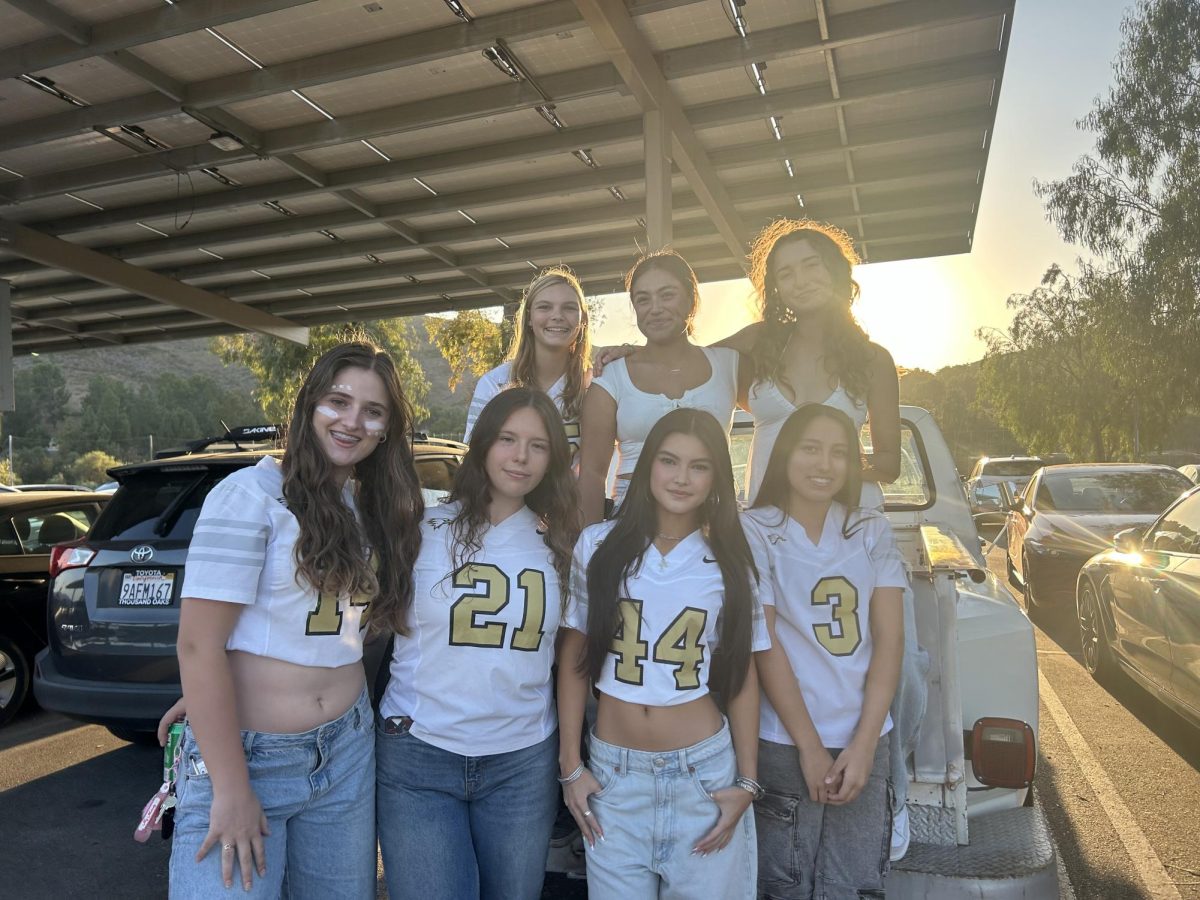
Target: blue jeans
x=455 y=827
x=317 y=789
x=654 y=807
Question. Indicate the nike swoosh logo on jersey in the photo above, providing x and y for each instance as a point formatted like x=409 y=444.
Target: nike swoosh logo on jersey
x=708 y=559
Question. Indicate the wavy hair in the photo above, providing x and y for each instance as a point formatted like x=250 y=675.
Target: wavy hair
x=329 y=552
x=622 y=551
x=522 y=352
x=848 y=352
x=553 y=500
x=667 y=260
x=776 y=488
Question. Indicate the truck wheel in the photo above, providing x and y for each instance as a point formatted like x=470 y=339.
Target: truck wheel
x=1097 y=657
x=14 y=679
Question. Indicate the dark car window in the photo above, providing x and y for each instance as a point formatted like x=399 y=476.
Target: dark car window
x=1045 y=499
x=9 y=545
x=435 y=474
x=1119 y=493
x=1010 y=467
x=1179 y=530
x=41 y=529
x=135 y=511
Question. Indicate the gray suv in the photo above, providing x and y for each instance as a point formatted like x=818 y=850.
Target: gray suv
x=113 y=608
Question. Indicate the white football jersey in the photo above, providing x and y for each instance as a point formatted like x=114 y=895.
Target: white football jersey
x=499 y=379
x=474 y=670
x=243 y=551
x=822 y=598
x=669 y=623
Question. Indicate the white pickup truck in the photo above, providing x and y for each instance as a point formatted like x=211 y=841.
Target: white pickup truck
x=975 y=830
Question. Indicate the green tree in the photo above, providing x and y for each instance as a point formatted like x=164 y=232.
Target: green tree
x=280 y=365
x=469 y=341
x=106 y=419
x=1135 y=200
x=6 y=473
x=42 y=398
x=1060 y=377
x=92 y=467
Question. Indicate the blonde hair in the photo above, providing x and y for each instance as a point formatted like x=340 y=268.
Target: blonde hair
x=522 y=355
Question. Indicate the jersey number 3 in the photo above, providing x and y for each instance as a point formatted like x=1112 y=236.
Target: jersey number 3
x=678 y=646
x=843 y=596
x=465 y=628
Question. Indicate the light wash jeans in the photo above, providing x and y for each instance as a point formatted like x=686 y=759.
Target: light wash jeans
x=317 y=789
x=654 y=807
x=455 y=827
x=909 y=702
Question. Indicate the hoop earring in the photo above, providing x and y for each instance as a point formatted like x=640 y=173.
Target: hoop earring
x=383 y=438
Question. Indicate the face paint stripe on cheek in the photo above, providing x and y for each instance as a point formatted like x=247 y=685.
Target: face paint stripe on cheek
x=373 y=427
x=328 y=411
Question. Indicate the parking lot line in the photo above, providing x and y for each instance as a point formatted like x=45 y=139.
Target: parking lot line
x=1145 y=862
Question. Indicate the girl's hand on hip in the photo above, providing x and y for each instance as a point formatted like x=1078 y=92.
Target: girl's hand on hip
x=576 y=795
x=733 y=803
x=852 y=768
x=236 y=824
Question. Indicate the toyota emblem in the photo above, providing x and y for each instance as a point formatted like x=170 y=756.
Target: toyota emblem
x=142 y=553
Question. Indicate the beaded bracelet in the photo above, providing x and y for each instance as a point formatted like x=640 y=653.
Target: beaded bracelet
x=573 y=777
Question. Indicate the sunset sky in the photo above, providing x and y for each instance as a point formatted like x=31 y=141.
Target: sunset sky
x=927 y=311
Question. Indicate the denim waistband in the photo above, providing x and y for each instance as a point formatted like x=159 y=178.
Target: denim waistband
x=351 y=719
x=660 y=762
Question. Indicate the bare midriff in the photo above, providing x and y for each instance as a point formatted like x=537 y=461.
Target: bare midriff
x=636 y=726
x=281 y=697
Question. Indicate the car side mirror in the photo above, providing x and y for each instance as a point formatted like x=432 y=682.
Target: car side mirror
x=1128 y=541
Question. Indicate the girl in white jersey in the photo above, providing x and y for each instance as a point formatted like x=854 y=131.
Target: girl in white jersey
x=670 y=372
x=662 y=801
x=466 y=737
x=834 y=611
x=551 y=350
x=278 y=755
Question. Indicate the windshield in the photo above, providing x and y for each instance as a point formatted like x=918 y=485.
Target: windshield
x=1122 y=493
x=1010 y=467
x=136 y=512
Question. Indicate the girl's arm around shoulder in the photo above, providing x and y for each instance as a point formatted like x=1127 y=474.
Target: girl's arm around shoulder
x=742 y=341
x=883 y=409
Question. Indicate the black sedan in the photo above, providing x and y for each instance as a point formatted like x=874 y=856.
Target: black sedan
x=1139 y=607
x=30 y=525
x=1067 y=514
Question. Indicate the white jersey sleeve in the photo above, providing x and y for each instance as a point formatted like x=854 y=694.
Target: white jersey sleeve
x=228 y=549
x=489 y=385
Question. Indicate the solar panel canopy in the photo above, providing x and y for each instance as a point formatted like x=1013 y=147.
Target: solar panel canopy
x=198 y=167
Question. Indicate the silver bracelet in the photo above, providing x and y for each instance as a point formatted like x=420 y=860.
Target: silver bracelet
x=749 y=784
x=573 y=777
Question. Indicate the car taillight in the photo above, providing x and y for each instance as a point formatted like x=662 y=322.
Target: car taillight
x=1003 y=752
x=69 y=556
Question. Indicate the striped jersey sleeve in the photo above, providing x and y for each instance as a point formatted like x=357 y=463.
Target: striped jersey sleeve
x=229 y=546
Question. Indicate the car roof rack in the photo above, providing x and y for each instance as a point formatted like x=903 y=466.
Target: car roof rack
x=256 y=436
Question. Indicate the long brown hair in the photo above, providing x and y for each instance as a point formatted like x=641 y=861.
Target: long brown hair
x=621 y=552
x=329 y=551
x=553 y=500
x=848 y=352
x=522 y=354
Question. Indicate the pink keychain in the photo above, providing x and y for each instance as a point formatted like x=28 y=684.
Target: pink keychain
x=164 y=799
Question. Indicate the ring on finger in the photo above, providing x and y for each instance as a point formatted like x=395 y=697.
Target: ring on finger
x=588 y=813
x=228 y=848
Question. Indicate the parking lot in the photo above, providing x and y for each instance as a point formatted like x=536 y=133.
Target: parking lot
x=1118 y=777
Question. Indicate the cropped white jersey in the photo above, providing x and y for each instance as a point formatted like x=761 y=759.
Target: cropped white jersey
x=473 y=672
x=822 y=598
x=242 y=551
x=500 y=378
x=669 y=625
x=637 y=410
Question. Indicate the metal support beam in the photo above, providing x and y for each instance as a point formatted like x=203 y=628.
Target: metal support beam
x=657 y=141
x=137 y=28
x=50 y=251
x=8 y=396
x=55 y=18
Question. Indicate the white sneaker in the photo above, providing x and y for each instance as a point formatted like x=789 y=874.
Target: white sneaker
x=900 y=834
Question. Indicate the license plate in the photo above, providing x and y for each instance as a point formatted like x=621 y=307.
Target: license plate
x=146 y=587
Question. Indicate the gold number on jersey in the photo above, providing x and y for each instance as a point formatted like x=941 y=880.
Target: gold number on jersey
x=680 y=647
x=327 y=617
x=465 y=631
x=529 y=635
x=843 y=596
x=627 y=643
x=465 y=628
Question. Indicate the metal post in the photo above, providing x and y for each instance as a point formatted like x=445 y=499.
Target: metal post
x=657 y=144
x=151 y=456
x=8 y=397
